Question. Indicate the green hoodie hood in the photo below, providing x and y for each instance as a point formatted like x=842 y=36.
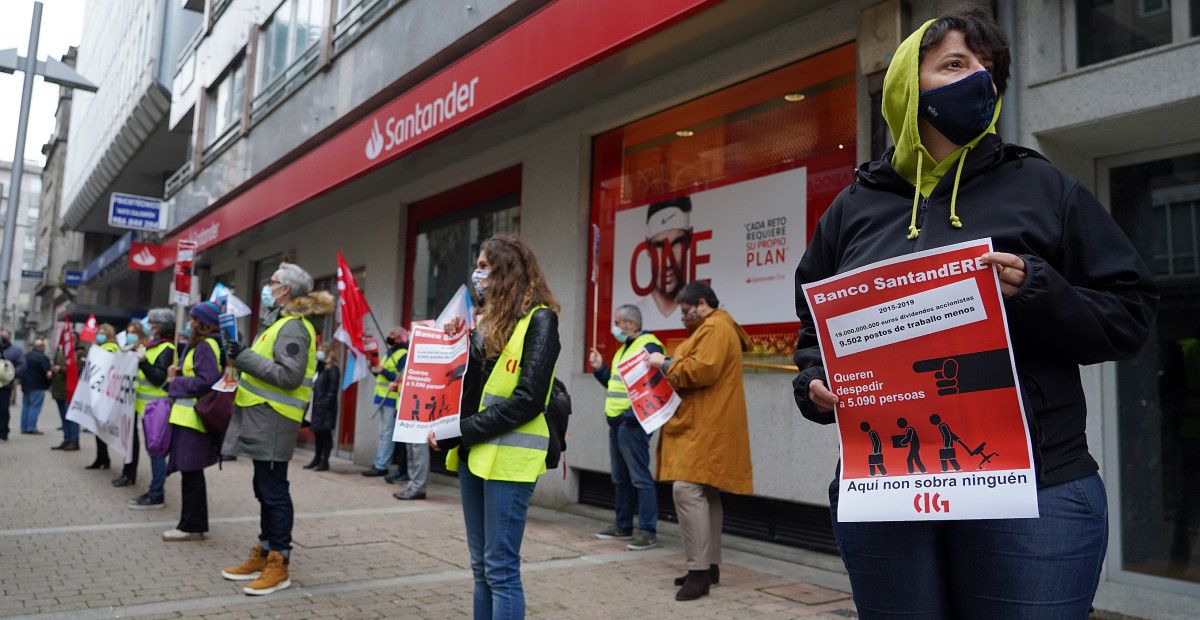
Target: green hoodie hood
x=901 y=95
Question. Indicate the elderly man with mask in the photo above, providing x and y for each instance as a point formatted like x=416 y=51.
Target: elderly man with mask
x=274 y=389
x=154 y=359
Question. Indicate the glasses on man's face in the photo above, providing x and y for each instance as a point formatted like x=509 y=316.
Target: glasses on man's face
x=686 y=310
x=683 y=240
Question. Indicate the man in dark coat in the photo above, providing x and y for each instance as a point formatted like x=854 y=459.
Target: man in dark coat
x=16 y=357
x=34 y=383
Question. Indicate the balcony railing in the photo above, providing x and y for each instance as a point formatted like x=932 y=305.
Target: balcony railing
x=189 y=50
x=178 y=180
x=357 y=19
x=286 y=83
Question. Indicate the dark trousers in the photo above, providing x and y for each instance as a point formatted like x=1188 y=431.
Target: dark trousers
x=130 y=469
x=5 y=401
x=1046 y=567
x=101 y=451
x=324 y=446
x=194 y=497
x=275 y=504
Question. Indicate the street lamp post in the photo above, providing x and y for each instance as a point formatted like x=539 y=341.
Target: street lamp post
x=51 y=71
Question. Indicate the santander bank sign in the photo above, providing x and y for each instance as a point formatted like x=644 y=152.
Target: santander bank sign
x=425 y=117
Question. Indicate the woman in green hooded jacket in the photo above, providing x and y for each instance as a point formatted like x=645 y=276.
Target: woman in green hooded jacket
x=1075 y=292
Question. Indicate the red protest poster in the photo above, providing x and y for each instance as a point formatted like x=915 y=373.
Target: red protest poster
x=431 y=389
x=930 y=418
x=653 y=399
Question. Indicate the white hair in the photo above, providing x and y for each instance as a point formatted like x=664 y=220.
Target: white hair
x=629 y=312
x=297 y=280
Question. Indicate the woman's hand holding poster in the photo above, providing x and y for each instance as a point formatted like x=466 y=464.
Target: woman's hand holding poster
x=431 y=389
x=653 y=399
x=929 y=413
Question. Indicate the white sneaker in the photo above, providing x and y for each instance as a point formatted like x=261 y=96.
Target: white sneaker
x=180 y=536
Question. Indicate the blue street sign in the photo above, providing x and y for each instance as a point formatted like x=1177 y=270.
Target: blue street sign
x=73 y=278
x=136 y=212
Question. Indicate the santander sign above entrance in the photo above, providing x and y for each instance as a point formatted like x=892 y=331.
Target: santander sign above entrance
x=423 y=118
x=555 y=41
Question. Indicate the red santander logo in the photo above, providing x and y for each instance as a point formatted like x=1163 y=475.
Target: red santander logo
x=145 y=257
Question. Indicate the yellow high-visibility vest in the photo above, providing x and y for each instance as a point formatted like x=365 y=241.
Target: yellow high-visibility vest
x=520 y=454
x=147 y=391
x=616 y=399
x=254 y=391
x=390 y=363
x=183 y=410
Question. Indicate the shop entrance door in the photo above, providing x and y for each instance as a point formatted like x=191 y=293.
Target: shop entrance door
x=445 y=233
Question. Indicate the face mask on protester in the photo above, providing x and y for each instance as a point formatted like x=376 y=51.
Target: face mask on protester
x=618 y=333
x=146 y=326
x=267 y=297
x=390 y=342
x=320 y=356
x=477 y=278
x=961 y=110
x=101 y=338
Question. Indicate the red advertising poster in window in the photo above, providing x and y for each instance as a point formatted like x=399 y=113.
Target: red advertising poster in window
x=726 y=190
x=431 y=389
x=929 y=412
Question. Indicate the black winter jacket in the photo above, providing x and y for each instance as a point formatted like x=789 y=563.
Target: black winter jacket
x=325 y=397
x=529 y=398
x=1087 y=295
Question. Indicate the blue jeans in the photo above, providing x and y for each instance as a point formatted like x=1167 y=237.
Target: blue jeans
x=31 y=406
x=70 y=429
x=629 y=456
x=494 y=511
x=387 y=425
x=158 y=477
x=1047 y=567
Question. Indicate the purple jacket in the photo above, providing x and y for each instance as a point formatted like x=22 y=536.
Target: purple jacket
x=192 y=450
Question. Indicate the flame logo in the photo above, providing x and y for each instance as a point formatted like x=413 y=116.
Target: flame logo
x=375 y=142
x=145 y=258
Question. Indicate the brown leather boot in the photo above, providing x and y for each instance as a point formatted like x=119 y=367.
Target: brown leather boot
x=250 y=569
x=274 y=576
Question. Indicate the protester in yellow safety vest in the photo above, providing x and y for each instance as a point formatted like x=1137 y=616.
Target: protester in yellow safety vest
x=154 y=359
x=129 y=340
x=273 y=391
x=504 y=443
x=390 y=367
x=106 y=338
x=628 y=443
x=192 y=448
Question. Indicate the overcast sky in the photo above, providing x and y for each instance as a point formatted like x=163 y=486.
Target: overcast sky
x=62 y=26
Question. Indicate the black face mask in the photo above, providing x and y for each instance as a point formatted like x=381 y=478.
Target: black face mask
x=391 y=342
x=961 y=110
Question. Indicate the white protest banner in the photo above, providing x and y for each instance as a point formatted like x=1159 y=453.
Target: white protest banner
x=431 y=388
x=103 y=400
x=653 y=399
x=929 y=412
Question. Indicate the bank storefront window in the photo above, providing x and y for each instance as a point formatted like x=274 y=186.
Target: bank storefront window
x=1158 y=391
x=725 y=189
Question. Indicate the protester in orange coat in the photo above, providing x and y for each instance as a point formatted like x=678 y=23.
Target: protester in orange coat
x=705 y=447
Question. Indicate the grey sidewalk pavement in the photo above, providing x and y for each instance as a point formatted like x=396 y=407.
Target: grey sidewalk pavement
x=70 y=548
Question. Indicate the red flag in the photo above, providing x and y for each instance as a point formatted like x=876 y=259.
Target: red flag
x=352 y=309
x=89 y=329
x=66 y=343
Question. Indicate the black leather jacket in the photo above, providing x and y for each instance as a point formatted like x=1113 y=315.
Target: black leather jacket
x=528 y=399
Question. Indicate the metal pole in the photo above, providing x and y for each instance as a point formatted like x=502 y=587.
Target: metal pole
x=18 y=167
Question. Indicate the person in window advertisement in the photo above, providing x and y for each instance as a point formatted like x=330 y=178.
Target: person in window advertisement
x=274 y=388
x=704 y=448
x=628 y=443
x=669 y=235
x=505 y=441
x=1075 y=292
